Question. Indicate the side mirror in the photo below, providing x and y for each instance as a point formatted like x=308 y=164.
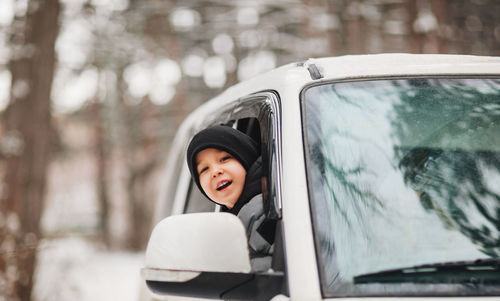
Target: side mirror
x=205 y=255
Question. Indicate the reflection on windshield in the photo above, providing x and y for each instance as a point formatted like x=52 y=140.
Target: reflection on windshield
x=402 y=173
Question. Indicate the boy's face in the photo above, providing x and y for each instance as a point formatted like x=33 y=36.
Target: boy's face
x=221 y=176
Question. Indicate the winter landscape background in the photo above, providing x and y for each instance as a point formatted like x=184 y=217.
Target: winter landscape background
x=92 y=92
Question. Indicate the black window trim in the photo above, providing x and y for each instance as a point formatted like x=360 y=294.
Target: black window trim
x=266 y=107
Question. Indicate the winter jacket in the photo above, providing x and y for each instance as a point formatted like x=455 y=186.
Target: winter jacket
x=253 y=217
x=250 y=209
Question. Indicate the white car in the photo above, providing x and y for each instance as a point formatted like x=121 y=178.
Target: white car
x=382 y=173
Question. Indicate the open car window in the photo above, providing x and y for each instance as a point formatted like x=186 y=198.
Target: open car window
x=196 y=201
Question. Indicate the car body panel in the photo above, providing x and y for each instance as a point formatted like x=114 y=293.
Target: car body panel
x=288 y=82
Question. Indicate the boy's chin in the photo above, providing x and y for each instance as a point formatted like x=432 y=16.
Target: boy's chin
x=228 y=204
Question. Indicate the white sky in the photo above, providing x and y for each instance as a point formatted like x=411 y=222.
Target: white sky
x=4 y=88
x=70 y=91
x=6 y=12
x=155 y=78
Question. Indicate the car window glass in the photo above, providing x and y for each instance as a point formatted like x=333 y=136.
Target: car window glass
x=403 y=174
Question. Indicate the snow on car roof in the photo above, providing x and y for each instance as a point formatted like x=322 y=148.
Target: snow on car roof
x=371 y=65
x=399 y=64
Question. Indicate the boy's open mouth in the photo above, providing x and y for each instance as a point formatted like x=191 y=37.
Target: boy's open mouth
x=223 y=185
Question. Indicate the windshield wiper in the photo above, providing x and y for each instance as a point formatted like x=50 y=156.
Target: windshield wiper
x=476 y=271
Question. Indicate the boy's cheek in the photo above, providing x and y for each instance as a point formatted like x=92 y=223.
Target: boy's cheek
x=204 y=184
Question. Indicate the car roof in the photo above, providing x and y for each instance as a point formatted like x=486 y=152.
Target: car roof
x=299 y=74
x=401 y=64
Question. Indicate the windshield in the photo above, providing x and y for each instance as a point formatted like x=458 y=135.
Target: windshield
x=404 y=177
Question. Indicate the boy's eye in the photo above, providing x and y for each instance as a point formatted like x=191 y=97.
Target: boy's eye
x=203 y=170
x=225 y=158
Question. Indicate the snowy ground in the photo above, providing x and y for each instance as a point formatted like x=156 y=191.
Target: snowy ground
x=73 y=266
x=79 y=270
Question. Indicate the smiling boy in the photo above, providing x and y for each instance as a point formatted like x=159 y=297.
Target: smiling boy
x=225 y=165
x=222 y=177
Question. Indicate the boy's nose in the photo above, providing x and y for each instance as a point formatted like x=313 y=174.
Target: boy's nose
x=217 y=171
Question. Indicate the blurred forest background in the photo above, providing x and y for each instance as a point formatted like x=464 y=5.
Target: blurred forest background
x=92 y=92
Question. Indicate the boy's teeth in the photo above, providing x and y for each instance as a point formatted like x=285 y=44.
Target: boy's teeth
x=223 y=185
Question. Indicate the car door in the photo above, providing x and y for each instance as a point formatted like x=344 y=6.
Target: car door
x=256 y=115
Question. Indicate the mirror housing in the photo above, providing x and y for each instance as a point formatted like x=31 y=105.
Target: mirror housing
x=208 y=242
x=204 y=255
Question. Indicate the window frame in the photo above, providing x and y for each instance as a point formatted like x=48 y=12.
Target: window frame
x=266 y=108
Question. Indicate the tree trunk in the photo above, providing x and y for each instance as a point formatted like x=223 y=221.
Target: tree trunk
x=28 y=131
x=441 y=9
x=415 y=38
x=354 y=29
x=102 y=162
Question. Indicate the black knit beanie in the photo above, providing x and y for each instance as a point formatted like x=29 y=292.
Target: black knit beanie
x=224 y=138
